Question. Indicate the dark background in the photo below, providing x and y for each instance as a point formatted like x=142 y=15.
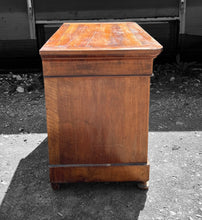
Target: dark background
x=24 y=30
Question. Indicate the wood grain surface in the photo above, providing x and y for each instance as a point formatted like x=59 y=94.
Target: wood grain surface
x=97 y=87
x=97 y=119
x=104 y=38
x=100 y=174
x=93 y=67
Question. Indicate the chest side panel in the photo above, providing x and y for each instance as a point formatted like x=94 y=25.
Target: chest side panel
x=97 y=119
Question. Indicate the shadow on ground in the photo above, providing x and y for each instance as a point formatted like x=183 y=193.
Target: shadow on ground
x=30 y=196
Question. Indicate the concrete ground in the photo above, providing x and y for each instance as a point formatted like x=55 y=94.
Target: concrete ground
x=175 y=183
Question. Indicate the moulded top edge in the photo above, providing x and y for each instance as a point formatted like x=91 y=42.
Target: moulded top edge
x=87 y=38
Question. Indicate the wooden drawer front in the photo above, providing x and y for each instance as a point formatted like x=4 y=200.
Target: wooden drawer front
x=97 y=119
x=68 y=67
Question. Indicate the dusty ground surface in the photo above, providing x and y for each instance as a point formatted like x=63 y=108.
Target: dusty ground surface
x=175 y=184
x=176 y=100
x=175 y=180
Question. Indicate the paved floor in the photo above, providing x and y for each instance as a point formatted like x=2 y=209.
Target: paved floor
x=13 y=149
x=175 y=183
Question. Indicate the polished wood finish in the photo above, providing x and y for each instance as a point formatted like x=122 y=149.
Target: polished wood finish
x=100 y=173
x=97 y=119
x=97 y=84
x=109 y=39
x=101 y=67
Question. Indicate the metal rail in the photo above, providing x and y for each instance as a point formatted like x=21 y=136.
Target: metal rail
x=159 y=19
x=31 y=19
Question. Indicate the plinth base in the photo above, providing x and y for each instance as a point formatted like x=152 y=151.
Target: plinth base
x=99 y=173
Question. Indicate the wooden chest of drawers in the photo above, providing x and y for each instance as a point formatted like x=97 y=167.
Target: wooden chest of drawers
x=97 y=86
